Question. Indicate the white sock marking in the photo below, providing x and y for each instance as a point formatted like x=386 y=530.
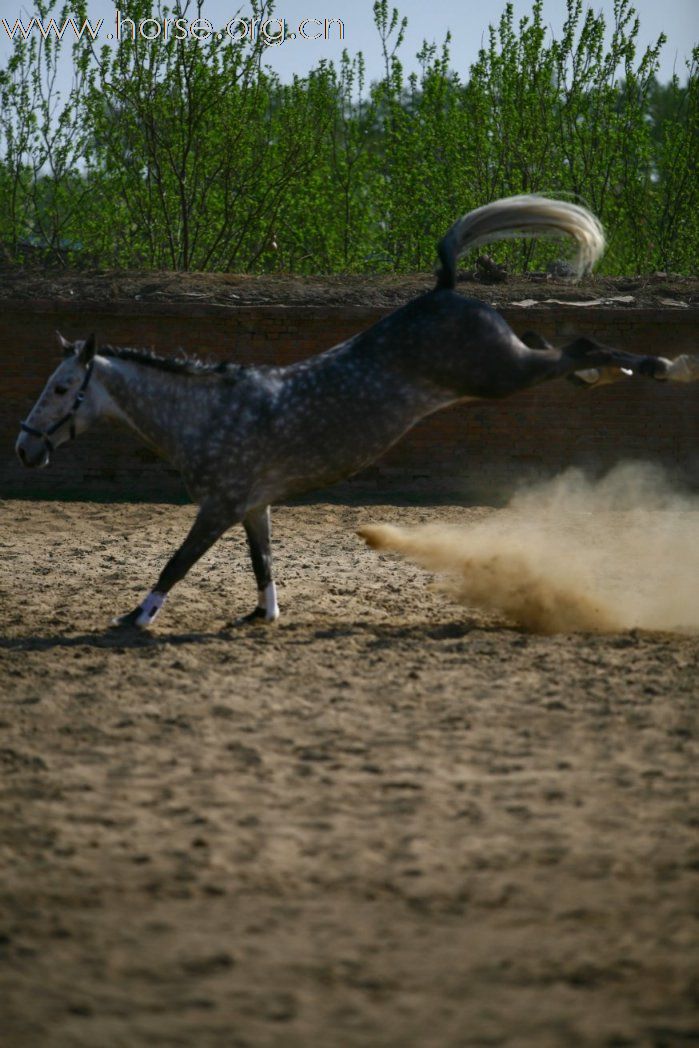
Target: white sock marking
x=150 y=607
x=267 y=599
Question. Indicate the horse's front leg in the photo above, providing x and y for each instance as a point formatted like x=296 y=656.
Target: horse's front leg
x=257 y=526
x=210 y=524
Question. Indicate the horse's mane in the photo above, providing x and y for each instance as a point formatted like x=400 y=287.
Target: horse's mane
x=181 y=365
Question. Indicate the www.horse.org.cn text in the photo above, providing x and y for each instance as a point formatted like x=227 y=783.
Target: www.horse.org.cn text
x=237 y=29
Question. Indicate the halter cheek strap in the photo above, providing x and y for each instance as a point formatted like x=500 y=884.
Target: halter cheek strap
x=46 y=434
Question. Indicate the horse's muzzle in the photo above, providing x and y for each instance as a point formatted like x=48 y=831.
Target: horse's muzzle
x=32 y=453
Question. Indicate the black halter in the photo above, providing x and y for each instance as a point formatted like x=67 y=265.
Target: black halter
x=68 y=417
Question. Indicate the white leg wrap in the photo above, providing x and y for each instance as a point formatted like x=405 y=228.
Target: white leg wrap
x=267 y=600
x=150 y=608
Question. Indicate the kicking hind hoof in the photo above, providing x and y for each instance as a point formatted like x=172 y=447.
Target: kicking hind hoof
x=655 y=367
x=585 y=379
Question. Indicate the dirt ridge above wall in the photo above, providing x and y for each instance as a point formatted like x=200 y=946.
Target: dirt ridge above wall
x=383 y=291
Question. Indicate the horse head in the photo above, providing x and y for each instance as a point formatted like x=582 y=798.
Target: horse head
x=63 y=410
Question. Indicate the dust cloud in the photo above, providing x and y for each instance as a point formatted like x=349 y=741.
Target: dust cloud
x=572 y=554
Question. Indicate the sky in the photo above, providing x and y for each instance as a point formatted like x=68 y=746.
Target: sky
x=467 y=20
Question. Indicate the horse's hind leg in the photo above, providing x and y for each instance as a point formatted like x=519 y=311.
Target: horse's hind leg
x=257 y=526
x=210 y=524
x=610 y=364
x=585 y=353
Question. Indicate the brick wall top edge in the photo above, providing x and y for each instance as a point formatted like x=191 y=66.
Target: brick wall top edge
x=133 y=307
x=687 y=316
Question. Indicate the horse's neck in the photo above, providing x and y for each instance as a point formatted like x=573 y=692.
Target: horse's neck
x=150 y=402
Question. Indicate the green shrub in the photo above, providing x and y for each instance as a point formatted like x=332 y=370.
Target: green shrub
x=193 y=154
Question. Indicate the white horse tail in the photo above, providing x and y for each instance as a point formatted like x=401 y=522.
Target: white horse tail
x=521 y=216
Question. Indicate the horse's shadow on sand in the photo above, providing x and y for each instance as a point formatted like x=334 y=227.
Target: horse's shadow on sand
x=375 y=634
x=105 y=640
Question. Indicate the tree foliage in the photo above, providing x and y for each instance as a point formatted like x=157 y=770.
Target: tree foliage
x=190 y=154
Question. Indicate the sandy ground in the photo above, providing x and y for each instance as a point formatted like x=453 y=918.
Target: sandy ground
x=386 y=821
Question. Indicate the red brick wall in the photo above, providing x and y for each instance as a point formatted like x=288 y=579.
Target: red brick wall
x=472 y=451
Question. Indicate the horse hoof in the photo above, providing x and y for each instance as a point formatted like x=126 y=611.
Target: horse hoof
x=258 y=617
x=128 y=621
x=585 y=379
x=654 y=367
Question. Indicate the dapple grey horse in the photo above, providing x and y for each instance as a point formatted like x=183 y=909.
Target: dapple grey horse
x=246 y=437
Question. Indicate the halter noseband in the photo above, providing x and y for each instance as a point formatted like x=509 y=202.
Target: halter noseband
x=46 y=434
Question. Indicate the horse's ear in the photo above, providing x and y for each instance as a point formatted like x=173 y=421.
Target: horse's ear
x=67 y=347
x=87 y=350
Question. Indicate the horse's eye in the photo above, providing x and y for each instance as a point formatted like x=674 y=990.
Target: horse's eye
x=60 y=390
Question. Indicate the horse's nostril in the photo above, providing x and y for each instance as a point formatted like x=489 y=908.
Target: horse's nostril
x=23 y=455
